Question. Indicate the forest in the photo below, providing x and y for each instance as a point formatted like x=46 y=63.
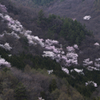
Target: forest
x=41 y=65
x=71 y=30
x=28 y=78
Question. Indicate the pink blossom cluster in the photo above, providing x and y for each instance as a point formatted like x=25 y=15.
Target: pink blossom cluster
x=3 y=8
x=70 y=49
x=9 y=19
x=96 y=44
x=59 y=55
x=17 y=28
x=69 y=61
x=34 y=40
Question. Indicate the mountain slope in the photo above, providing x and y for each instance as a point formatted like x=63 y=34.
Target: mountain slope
x=77 y=9
x=46 y=46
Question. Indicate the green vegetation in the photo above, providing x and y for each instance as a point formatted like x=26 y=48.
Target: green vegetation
x=53 y=85
x=41 y=65
x=20 y=92
x=71 y=31
x=10 y=87
x=53 y=26
x=32 y=80
x=18 y=85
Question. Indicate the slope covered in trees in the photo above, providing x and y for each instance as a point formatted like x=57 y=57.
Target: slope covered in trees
x=71 y=31
x=71 y=9
x=29 y=63
x=68 y=32
x=32 y=84
x=78 y=9
x=52 y=26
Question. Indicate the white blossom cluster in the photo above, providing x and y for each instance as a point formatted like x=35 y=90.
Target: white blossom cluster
x=70 y=49
x=87 y=62
x=50 y=42
x=91 y=82
x=6 y=46
x=71 y=56
x=40 y=98
x=90 y=64
x=97 y=63
x=12 y=24
x=50 y=71
x=58 y=54
x=76 y=46
x=88 y=17
x=77 y=70
x=91 y=68
x=65 y=70
x=51 y=50
x=49 y=54
x=96 y=44
x=5 y=63
x=17 y=28
x=10 y=55
x=15 y=25
x=14 y=34
x=33 y=40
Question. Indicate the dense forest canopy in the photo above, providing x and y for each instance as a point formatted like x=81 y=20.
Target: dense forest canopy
x=31 y=79
x=71 y=30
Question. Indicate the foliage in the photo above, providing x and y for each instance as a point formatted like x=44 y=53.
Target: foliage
x=71 y=31
x=20 y=92
x=27 y=62
x=52 y=26
x=43 y=85
x=53 y=85
x=17 y=85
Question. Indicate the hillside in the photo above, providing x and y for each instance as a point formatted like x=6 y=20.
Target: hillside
x=58 y=52
x=77 y=9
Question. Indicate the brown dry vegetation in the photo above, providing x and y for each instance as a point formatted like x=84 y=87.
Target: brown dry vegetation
x=31 y=84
